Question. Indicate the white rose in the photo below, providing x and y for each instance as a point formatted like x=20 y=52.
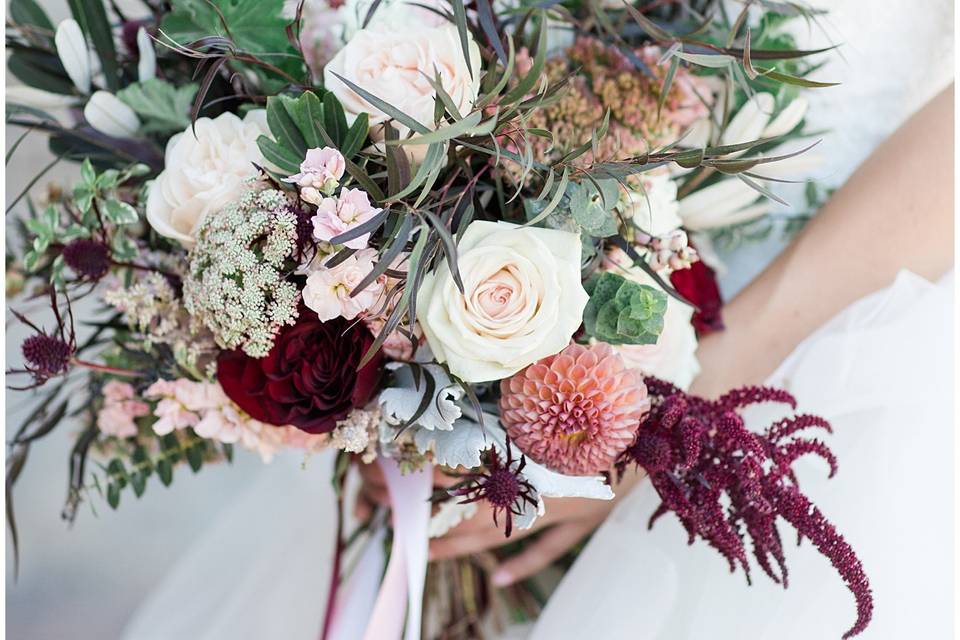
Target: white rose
x=522 y=300
x=674 y=356
x=204 y=172
x=654 y=207
x=394 y=63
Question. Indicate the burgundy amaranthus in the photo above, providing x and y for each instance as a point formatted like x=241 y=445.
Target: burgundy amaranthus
x=696 y=451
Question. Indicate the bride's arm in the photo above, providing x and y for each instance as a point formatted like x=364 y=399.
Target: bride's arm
x=895 y=212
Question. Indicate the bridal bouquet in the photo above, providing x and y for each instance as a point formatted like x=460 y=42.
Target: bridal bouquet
x=469 y=238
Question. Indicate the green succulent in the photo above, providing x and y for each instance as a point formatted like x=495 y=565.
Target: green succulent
x=621 y=311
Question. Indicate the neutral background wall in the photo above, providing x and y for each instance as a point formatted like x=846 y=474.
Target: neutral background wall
x=83 y=582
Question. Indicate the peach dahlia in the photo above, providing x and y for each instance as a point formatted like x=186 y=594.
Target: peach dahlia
x=576 y=411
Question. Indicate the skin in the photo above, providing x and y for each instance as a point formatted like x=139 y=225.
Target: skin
x=895 y=212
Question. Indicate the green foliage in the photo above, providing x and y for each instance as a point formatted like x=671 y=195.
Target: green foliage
x=133 y=468
x=307 y=122
x=258 y=28
x=40 y=70
x=30 y=14
x=162 y=106
x=623 y=312
x=101 y=210
x=591 y=205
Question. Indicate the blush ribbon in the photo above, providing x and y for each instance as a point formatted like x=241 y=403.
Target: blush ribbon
x=401 y=590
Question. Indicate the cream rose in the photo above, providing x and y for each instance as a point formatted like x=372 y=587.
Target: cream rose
x=204 y=172
x=394 y=63
x=674 y=356
x=522 y=300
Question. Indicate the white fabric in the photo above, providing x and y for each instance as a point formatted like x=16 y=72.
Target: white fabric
x=881 y=372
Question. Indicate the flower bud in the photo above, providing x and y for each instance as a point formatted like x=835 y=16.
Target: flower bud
x=73 y=52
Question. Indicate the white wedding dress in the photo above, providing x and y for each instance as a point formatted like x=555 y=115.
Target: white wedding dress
x=881 y=372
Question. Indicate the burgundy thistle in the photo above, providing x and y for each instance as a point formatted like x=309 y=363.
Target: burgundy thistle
x=47 y=355
x=502 y=485
x=88 y=258
x=700 y=456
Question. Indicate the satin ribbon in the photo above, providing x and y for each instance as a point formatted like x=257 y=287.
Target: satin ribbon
x=401 y=590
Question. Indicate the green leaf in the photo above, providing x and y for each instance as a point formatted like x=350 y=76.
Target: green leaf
x=284 y=159
x=796 y=81
x=195 y=456
x=334 y=119
x=120 y=212
x=139 y=483
x=257 y=27
x=165 y=471
x=117 y=472
x=621 y=311
x=40 y=71
x=28 y=12
x=460 y=18
x=459 y=128
x=587 y=208
x=162 y=106
x=113 y=495
x=385 y=107
x=87 y=173
x=284 y=128
x=356 y=135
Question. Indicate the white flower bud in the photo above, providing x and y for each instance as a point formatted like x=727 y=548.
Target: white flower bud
x=147 y=66
x=30 y=97
x=789 y=118
x=750 y=121
x=108 y=115
x=73 y=52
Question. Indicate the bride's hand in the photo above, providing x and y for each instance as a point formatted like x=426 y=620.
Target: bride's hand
x=566 y=522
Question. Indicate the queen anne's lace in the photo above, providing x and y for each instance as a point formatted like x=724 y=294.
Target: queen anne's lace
x=236 y=285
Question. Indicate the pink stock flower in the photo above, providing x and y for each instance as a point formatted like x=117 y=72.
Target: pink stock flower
x=120 y=408
x=328 y=290
x=214 y=416
x=320 y=170
x=574 y=412
x=337 y=215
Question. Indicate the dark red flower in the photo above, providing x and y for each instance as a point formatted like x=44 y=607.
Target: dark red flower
x=698 y=284
x=88 y=258
x=309 y=379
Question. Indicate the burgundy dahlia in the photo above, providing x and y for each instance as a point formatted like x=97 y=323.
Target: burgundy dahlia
x=309 y=379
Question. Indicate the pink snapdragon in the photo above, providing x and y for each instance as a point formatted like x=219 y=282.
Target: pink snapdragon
x=213 y=416
x=342 y=213
x=120 y=408
x=328 y=289
x=320 y=172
